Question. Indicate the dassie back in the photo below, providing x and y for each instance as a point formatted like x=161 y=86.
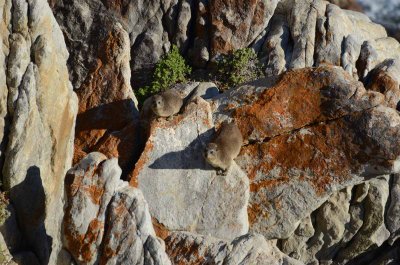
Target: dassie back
x=229 y=140
x=172 y=102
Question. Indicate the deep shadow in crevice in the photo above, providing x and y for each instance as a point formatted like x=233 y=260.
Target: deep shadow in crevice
x=29 y=201
x=114 y=116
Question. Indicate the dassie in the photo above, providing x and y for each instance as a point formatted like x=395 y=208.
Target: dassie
x=166 y=104
x=224 y=148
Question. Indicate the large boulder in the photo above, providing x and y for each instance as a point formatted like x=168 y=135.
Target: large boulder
x=107 y=221
x=37 y=116
x=183 y=191
x=313 y=132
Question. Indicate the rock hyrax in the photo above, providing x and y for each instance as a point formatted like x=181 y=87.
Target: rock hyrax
x=166 y=104
x=224 y=148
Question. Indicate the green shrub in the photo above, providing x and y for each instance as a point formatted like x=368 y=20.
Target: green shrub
x=171 y=69
x=238 y=67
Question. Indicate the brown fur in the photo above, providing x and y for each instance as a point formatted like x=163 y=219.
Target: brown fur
x=166 y=104
x=225 y=147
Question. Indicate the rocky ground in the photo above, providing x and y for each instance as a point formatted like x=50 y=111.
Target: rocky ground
x=90 y=182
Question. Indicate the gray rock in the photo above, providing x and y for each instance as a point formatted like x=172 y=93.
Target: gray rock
x=352 y=49
x=393 y=212
x=206 y=90
x=276 y=51
x=36 y=122
x=302 y=19
x=373 y=232
x=5 y=256
x=107 y=221
x=193 y=197
x=296 y=245
x=241 y=27
x=11 y=232
x=129 y=237
x=321 y=240
x=248 y=249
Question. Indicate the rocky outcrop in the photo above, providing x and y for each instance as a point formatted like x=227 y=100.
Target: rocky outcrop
x=194 y=198
x=310 y=136
x=317 y=176
x=139 y=34
x=235 y=24
x=287 y=34
x=351 y=224
x=37 y=116
x=100 y=70
x=187 y=248
x=107 y=221
x=329 y=133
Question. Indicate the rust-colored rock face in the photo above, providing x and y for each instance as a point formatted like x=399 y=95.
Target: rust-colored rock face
x=300 y=98
x=82 y=236
x=236 y=23
x=107 y=114
x=314 y=131
x=107 y=221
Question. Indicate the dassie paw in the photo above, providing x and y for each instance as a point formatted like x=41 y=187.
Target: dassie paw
x=170 y=118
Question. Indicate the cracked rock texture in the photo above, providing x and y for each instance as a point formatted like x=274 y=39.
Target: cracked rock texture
x=328 y=134
x=107 y=221
x=194 y=198
x=316 y=182
x=37 y=116
x=188 y=248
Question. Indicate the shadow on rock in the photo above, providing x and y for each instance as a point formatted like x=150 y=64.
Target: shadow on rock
x=114 y=116
x=29 y=201
x=192 y=157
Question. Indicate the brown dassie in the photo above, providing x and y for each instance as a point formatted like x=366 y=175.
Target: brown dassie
x=224 y=148
x=166 y=104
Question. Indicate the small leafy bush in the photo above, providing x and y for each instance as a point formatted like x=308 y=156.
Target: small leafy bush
x=171 y=69
x=4 y=213
x=239 y=67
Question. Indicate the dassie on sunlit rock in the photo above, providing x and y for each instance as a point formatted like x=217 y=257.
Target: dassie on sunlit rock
x=166 y=104
x=225 y=147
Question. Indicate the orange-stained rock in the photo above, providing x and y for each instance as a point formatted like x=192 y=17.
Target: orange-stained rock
x=107 y=221
x=312 y=132
x=236 y=23
x=89 y=188
x=107 y=118
x=299 y=98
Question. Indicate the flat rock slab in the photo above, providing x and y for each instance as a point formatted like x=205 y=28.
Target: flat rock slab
x=183 y=191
